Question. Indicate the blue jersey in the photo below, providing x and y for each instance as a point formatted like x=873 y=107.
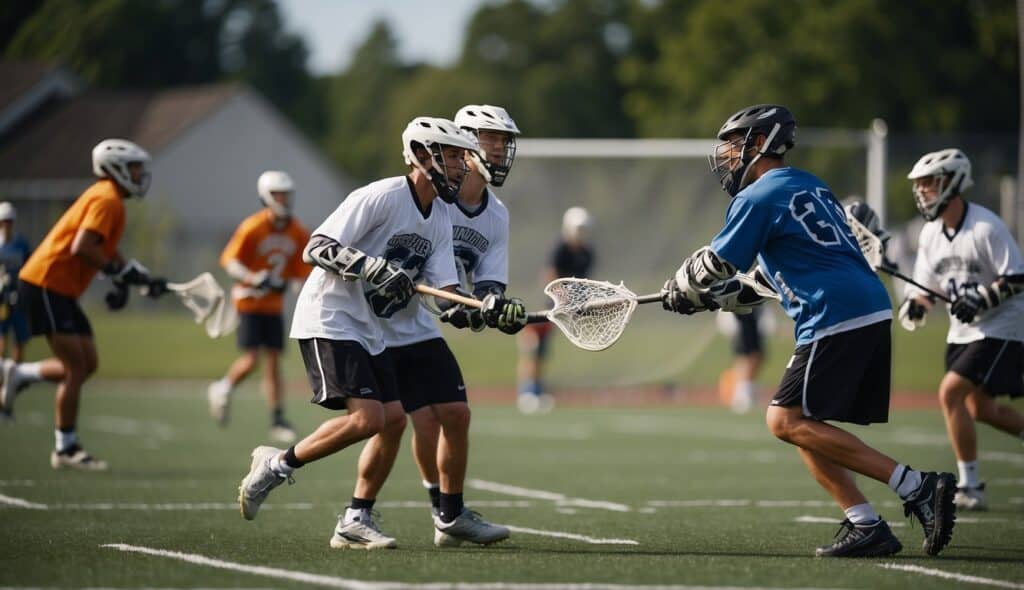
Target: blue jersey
x=790 y=221
x=13 y=254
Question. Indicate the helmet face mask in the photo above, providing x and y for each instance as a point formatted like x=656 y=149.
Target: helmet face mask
x=939 y=177
x=496 y=132
x=731 y=160
x=437 y=148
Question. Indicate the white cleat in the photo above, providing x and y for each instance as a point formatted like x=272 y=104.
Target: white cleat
x=545 y=403
x=283 y=433
x=8 y=387
x=260 y=480
x=528 y=403
x=742 y=401
x=218 y=394
x=76 y=458
x=971 y=498
x=468 y=526
x=360 y=533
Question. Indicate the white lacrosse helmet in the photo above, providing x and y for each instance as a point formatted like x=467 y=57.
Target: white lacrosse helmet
x=275 y=181
x=7 y=212
x=475 y=118
x=434 y=134
x=954 y=170
x=110 y=159
x=575 y=223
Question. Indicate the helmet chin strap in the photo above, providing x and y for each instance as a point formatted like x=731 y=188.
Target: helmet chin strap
x=481 y=167
x=764 y=149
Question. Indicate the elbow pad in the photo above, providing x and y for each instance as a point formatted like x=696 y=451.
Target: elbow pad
x=346 y=261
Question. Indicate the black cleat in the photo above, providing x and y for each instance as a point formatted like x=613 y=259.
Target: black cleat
x=862 y=540
x=933 y=506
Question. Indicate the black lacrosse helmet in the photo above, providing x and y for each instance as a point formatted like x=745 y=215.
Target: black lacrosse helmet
x=730 y=159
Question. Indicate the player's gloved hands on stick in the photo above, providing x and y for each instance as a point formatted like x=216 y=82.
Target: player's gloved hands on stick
x=117 y=297
x=911 y=314
x=675 y=299
x=507 y=314
x=272 y=283
x=388 y=280
x=463 y=317
x=129 y=273
x=156 y=288
x=972 y=300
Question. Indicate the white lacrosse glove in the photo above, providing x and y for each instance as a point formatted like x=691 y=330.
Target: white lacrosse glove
x=740 y=294
x=912 y=314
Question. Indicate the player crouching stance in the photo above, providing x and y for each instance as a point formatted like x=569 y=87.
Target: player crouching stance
x=263 y=255
x=966 y=251
x=790 y=221
x=83 y=241
x=365 y=257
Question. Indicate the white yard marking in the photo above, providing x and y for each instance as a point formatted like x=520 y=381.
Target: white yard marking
x=806 y=519
x=350 y=584
x=1004 y=457
x=573 y=536
x=927 y=571
x=27 y=483
x=474 y=504
x=1007 y=481
x=557 y=498
x=20 y=503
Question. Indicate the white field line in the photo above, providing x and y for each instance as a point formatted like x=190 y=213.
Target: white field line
x=573 y=536
x=1002 y=456
x=1007 y=481
x=722 y=503
x=350 y=584
x=557 y=498
x=474 y=504
x=806 y=519
x=20 y=503
x=927 y=571
x=27 y=483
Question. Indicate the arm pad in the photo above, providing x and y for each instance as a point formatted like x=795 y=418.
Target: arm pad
x=333 y=257
x=1003 y=288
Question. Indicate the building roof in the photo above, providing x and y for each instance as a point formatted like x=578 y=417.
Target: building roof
x=19 y=77
x=58 y=144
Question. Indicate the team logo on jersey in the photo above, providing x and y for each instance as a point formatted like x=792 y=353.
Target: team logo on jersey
x=956 y=264
x=413 y=243
x=470 y=237
x=276 y=243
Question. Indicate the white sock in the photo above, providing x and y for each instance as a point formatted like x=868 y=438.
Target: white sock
x=64 y=440
x=278 y=466
x=29 y=372
x=862 y=514
x=968 y=473
x=904 y=481
x=354 y=514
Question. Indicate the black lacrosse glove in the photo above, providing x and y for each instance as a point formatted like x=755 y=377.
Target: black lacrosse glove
x=272 y=284
x=463 y=317
x=390 y=287
x=507 y=314
x=130 y=273
x=674 y=299
x=156 y=288
x=973 y=299
x=117 y=297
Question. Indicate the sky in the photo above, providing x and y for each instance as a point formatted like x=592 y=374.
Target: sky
x=428 y=31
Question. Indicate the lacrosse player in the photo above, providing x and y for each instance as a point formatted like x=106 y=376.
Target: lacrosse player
x=967 y=252
x=430 y=384
x=264 y=254
x=747 y=344
x=14 y=251
x=366 y=256
x=84 y=241
x=792 y=224
x=572 y=256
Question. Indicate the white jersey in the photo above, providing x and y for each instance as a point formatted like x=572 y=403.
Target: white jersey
x=980 y=251
x=480 y=242
x=380 y=219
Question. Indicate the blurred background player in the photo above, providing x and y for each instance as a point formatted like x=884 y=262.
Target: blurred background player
x=966 y=251
x=82 y=242
x=789 y=222
x=738 y=384
x=263 y=255
x=366 y=254
x=14 y=251
x=572 y=256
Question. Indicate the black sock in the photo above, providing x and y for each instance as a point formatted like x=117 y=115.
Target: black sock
x=361 y=504
x=450 y=506
x=435 y=497
x=291 y=460
x=277 y=416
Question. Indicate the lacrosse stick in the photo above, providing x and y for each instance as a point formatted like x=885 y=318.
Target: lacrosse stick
x=591 y=314
x=204 y=296
x=872 y=248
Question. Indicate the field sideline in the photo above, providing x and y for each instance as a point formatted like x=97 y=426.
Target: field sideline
x=677 y=497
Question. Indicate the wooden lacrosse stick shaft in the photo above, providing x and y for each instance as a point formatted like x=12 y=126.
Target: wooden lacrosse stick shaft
x=455 y=297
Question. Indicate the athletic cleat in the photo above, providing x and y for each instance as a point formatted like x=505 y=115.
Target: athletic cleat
x=971 y=498
x=260 y=480
x=8 y=388
x=75 y=457
x=528 y=403
x=283 y=432
x=468 y=526
x=933 y=506
x=218 y=394
x=862 y=540
x=361 y=533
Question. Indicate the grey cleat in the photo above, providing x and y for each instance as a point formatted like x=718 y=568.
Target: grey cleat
x=76 y=458
x=468 y=526
x=361 y=532
x=260 y=480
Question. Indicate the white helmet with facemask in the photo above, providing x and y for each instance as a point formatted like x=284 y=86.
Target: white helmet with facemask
x=434 y=134
x=275 y=181
x=576 y=223
x=111 y=158
x=954 y=172
x=475 y=118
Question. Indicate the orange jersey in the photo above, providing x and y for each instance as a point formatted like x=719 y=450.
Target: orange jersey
x=257 y=245
x=52 y=266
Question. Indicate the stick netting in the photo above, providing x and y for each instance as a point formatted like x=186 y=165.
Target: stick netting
x=591 y=314
x=204 y=296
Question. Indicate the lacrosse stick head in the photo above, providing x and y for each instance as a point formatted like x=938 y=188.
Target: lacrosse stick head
x=591 y=314
x=205 y=298
x=870 y=244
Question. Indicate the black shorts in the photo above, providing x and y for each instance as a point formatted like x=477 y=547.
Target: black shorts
x=340 y=369
x=997 y=366
x=260 y=330
x=51 y=313
x=842 y=377
x=427 y=374
x=747 y=339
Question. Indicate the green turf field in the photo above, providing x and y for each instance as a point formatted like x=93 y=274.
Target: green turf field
x=683 y=497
